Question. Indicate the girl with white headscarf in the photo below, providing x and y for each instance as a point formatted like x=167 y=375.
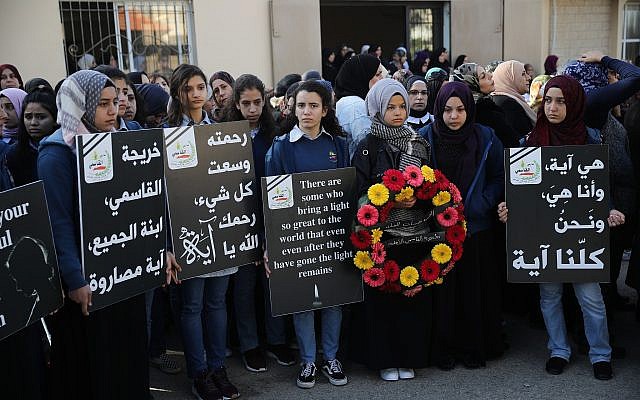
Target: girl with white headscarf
x=102 y=355
x=512 y=82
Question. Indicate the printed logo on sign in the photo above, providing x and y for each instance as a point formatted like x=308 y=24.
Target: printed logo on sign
x=97 y=158
x=525 y=166
x=181 y=148
x=333 y=157
x=280 y=192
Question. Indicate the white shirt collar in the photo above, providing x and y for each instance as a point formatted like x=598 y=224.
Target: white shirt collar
x=297 y=133
x=422 y=120
x=187 y=121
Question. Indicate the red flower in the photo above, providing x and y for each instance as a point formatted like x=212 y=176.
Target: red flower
x=361 y=239
x=378 y=253
x=385 y=210
x=391 y=287
x=455 y=193
x=426 y=191
x=413 y=175
x=441 y=181
x=393 y=180
x=448 y=217
x=456 y=252
x=391 y=270
x=368 y=215
x=455 y=235
x=429 y=270
x=460 y=210
x=374 y=277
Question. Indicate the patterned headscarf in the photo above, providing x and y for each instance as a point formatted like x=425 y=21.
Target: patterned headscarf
x=77 y=101
x=590 y=75
x=468 y=73
x=504 y=78
x=436 y=73
x=536 y=89
x=491 y=67
x=15 y=96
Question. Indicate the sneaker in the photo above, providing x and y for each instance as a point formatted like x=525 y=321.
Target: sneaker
x=332 y=369
x=307 y=377
x=219 y=378
x=254 y=360
x=389 y=374
x=165 y=364
x=602 y=370
x=406 y=373
x=282 y=354
x=555 y=365
x=204 y=388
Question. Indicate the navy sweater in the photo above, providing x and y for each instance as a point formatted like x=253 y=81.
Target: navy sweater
x=282 y=156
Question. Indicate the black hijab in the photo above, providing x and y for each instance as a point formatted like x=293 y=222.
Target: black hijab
x=354 y=76
x=435 y=62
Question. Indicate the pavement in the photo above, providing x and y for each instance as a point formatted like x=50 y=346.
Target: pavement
x=519 y=374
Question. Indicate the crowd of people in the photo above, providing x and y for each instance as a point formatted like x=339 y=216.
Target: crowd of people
x=358 y=111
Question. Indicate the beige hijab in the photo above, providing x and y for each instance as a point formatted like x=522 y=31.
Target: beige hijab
x=504 y=78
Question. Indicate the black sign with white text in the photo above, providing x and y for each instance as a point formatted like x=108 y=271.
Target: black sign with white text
x=308 y=218
x=29 y=278
x=558 y=201
x=122 y=212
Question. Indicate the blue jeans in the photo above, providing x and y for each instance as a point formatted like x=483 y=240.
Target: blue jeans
x=306 y=333
x=203 y=322
x=244 y=302
x=589 y=297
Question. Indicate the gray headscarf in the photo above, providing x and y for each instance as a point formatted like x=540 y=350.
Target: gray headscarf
x=468 y=73
x=77 y=101
x=403 y=137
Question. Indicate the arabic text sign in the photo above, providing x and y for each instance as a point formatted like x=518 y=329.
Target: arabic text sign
x=558 y=200
x=29 y=279
x=308 y=219
x=213 y=197
x=122 y=211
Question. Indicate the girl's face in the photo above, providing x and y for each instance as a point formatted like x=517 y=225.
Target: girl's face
x=443 y=57
x=288 y=109
x=38 y=121
x=309 y=111
x=12 y=116
x=555 y=107
x=195 y=93
x=107 y=110
x=485 y=80
x=3 y=117
x=250 y=105
x=380 y=73
x=378 y=52
x=332 y=57
x=132 y=107
x=418 y=96
x=454 y=114
x=122 y=89
x=163 y=84
x=396 y=112
x=8 y=79
x=222 y=91
x=522 y=82
x=425 y=66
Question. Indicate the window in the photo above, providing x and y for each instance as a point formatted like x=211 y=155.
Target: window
x=631 y=32
x=150 y=36
x=425 y=28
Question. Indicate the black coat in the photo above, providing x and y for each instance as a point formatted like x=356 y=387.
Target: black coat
x=515 y=116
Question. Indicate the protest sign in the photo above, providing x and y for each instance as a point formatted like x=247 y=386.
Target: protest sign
x=558 y=200
x=308 y=219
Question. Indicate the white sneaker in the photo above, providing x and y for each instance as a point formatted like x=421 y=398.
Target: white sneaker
x=389 y=374
x=406 y=373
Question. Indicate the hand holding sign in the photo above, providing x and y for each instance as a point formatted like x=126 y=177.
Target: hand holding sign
x=82 y=296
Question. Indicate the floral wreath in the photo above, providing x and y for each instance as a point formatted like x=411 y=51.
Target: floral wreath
x=427 y=185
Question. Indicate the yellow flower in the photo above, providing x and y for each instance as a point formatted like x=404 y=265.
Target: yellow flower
x=405 y=194
x=409 y=276
x=439 y=281
x=428 y=174
x=464 y=225
x=376 y=235
x=362 y=260
x=441 y=253
x=378 y=194
x=441 y=198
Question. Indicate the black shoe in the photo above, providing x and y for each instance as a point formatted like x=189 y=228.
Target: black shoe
x=307 y=377
x=204 y=388
x=219 y=378
x=555 y=365
x=254 y=360
x=447 y=363
x=602 y=370
x=282 y=354
x=332 y=369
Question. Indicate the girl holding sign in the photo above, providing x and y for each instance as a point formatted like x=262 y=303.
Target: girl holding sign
x=102 y=355
x=561 y=122
x=314 y=143
x=203 y=312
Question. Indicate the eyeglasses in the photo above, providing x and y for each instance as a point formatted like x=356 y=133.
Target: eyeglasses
x=417 y=92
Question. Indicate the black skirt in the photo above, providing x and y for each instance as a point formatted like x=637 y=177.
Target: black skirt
x=102 y=356
x=23 y=367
